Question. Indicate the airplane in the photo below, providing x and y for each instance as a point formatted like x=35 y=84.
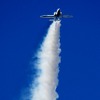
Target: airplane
x=56 y=16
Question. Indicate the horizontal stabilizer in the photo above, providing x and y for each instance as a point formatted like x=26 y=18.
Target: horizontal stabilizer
x=54 y=20
x=47 y=16
x=51 y=20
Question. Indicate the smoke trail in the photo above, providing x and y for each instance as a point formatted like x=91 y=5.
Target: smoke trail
x=47 y=65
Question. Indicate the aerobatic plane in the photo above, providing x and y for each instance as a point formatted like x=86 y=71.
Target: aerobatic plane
x=56 y=16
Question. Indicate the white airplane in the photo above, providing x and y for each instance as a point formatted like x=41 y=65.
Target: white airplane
x=56 y=16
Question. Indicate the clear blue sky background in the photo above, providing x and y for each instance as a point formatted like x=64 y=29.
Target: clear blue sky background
x=22 y=31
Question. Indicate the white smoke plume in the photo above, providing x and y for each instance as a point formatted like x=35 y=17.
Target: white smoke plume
x=48 y=66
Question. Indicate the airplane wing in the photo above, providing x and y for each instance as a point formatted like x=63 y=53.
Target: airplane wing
x=67 y=16
x=47 y=16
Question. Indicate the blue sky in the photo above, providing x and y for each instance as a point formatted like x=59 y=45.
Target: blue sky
x=22 y=31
